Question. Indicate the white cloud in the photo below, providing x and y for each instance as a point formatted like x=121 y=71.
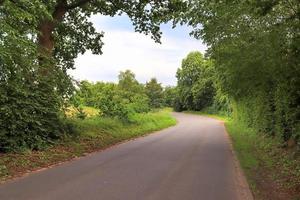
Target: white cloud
x=129 y=50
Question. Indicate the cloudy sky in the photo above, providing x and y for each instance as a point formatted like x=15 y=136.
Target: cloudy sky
x=125 y=49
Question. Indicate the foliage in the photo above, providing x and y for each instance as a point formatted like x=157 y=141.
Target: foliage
x=120 y=100
x=39 y=41
x=261 y=158
x=154 y=91
x=195 y=83
x=256 y=53
x=127 y=82
x=94 y=133
x=113 y=104
x=169 y=95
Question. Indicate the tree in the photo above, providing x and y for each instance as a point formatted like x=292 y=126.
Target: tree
x=128 y=82
x=29 y=112
x=194 y=80
x=154 y=92
x=68 y=31
x=169 y=95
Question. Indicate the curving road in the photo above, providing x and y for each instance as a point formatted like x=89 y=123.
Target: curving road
x=190 y=161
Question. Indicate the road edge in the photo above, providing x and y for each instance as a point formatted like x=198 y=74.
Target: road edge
x=244 y=192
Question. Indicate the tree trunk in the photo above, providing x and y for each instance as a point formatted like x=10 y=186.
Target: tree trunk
x=46 y=41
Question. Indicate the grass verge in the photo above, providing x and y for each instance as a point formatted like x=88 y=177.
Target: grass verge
x=272 y=172
x=94 y=134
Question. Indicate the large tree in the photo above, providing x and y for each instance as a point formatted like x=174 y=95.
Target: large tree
x=39 y=41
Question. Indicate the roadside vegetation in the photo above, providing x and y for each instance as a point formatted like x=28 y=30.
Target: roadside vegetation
x=96 y=116
x=90 y=134
x=271 y=163
x=273 y=172
x=250 y=73
x=47 y=117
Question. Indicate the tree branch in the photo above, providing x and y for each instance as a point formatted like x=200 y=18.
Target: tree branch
x=21 y=6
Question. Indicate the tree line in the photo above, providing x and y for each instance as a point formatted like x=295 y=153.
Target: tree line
x=121 y=100
x=252 y=66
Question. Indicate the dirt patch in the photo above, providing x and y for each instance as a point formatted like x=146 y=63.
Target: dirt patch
x=267 y=188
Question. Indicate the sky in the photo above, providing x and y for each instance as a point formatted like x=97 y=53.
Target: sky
x=125 y=49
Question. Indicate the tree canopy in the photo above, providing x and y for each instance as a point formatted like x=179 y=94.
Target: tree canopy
x=195 y=85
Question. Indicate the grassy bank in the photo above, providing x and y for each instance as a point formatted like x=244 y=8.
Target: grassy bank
x=93 y=133
x=273 y=172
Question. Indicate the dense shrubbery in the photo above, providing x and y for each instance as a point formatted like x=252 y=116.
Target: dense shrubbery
x=30 y=101
x=121 y=100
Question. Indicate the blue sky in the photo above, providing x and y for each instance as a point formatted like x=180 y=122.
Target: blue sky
x=124 y=49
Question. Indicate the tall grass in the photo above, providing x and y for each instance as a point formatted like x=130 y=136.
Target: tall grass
x=139 y=124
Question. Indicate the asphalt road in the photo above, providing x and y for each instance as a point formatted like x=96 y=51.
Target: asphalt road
x=190 y=161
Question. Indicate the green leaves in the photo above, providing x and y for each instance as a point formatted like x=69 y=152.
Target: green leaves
x=120 y=100
x=253 y=44
x=195 y=84
x=154 y=91
x=39 y=41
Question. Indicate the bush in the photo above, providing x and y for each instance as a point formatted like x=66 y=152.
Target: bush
x=29 y=117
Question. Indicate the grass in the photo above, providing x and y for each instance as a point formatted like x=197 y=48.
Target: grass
x=89 y=111
x=272 y=172
x=94 y=133
x=218 y=117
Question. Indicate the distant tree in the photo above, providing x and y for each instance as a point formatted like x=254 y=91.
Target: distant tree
x=195 y=85
x=169 y=95
x=127 y=82
x=187 y=76
x=154 y=92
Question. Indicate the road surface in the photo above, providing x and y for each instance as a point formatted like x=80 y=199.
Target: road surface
x=190 y=161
